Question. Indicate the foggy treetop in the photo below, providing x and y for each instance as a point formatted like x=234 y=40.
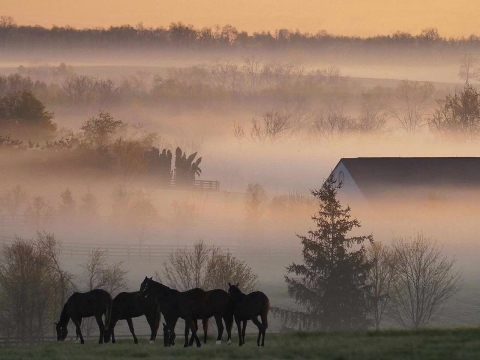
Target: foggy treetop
x=180 y=35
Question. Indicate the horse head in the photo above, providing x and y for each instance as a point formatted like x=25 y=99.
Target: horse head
x=233 y=290
x=144 y=287
x=168 y=336
x=62 y=331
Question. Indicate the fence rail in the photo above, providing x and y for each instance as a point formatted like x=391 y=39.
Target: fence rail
x=157 y=251
x=208 y=185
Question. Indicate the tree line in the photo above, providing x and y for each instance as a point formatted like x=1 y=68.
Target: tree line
x=318 y=108
x=180 y=35
x=102 y=143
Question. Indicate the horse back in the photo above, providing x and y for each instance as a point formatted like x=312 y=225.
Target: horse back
x=89 y=303
x=254 y=304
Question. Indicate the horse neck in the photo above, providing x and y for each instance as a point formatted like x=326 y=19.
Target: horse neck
x=240 y=297
x=64 y=316
x=161 y=290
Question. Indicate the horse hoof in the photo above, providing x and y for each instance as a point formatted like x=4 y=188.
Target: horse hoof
x=229 y=342
x=218 y=342
x=152 y=342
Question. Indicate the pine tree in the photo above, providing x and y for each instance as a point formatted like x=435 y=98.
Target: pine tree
x=332 y=282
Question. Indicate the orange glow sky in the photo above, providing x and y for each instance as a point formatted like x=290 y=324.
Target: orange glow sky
x=346 y=17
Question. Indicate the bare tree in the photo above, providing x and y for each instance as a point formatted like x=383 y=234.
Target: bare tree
x=380 y=279
x=274 y=124
x=39 y=212
x=335 y=124
x=14 y=199
x=207 y=267
x=467 y=68
x=238 y=131
x=62 y=280
x=185 y=269
x=32 y=284
x=458 y=115
x=413 y=97
x=99 y=274
x=424 y=280
x=255 y=199
x=223 y=267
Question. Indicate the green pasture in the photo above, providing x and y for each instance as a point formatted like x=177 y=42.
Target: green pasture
x=391 y=345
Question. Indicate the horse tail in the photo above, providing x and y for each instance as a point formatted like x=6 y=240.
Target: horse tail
x=108 y=313
x=265 y=313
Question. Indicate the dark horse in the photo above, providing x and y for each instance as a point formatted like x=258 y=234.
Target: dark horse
x=128 y=305
x=81 y=305
x=250 y=307
x=217 y=296
x=189 y=305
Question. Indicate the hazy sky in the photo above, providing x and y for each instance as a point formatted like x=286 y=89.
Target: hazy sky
x=349 y=17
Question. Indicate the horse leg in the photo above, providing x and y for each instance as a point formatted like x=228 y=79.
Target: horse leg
x=239 y=331
x=243 y=330
x=78 y=323
x=101 y=327
x=228 y=325
x=265 y=326
x=113 y=336
x=218 y=320
x=205 y=330
x=152 y=322
x=113 y=322
x=187 y=328
x=158 y=317
x=260 y=329
x=194 y=332
x=130 y=326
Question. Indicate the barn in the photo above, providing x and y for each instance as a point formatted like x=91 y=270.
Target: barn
x=371 y=179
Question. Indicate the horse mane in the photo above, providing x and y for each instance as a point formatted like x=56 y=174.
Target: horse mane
x=164 y=288
x=64 y=316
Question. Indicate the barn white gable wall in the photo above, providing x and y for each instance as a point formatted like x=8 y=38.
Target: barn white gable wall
x=349 y=193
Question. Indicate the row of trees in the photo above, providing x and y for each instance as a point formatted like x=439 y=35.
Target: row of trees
x=216 y=82
x=34 y=285
x=352 y=283
x=318 y=107
x=187 y=36
x=103 y=142
x=456 y=116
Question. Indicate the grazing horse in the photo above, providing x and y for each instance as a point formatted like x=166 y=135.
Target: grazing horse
x=249 y=307
x=189 y=305
x=81 y=305
x=127 y=305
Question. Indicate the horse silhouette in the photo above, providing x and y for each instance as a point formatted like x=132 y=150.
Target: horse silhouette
x=81 y=305
x=128 y=305
x=190 y=305
x=249 y=307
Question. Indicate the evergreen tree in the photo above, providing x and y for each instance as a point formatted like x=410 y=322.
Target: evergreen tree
x=332 y=282
x=67 y=207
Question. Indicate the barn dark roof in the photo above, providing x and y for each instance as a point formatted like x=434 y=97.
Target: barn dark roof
x=379 y=174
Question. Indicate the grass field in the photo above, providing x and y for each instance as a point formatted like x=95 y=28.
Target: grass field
x=391 y=345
